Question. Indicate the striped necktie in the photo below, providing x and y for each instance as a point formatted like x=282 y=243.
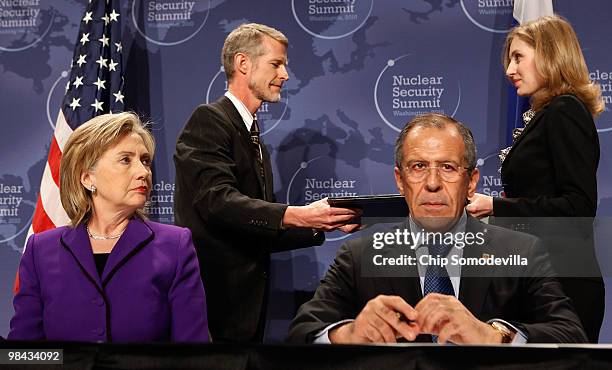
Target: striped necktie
x=257 y=146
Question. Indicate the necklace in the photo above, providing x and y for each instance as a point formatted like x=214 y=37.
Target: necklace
x=103 y=237
x=516 y=133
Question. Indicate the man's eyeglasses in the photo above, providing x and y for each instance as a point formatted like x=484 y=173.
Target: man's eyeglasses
x=448 y=171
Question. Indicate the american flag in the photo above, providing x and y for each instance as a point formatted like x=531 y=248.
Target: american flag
x=94 y=87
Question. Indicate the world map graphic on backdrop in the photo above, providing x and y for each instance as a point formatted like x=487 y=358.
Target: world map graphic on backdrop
x=32 y=37
x=327 y=132
x=359 y=70
x=29 y=35
x=330 y=131
x=17 y=203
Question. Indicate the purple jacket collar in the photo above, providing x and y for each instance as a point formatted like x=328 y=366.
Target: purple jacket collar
x=136 y=235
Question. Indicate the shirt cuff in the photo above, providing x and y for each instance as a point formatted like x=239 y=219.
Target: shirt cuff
x=519 y=336
x=322 y=337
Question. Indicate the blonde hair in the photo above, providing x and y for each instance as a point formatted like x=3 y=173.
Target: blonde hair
x=558 y=60
x=83 y=150
x=247 y=38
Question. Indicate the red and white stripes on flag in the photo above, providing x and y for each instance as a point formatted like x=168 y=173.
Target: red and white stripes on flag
x=94 y=87
x=49 y=212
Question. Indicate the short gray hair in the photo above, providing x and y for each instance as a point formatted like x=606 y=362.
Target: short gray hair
x=440 y=121
x=247 y=38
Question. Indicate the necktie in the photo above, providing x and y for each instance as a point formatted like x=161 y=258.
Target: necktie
x=258 y=154
x=436 y=277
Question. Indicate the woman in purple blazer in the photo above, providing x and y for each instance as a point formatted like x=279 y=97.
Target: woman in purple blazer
x=112 y=275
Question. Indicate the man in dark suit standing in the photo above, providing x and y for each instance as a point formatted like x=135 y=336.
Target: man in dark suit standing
x=394 y=285
x=224 y=189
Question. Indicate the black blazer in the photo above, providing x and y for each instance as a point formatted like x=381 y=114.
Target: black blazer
x=552 y=169
x=550 y=184
x=532 y=301
x=219 y=196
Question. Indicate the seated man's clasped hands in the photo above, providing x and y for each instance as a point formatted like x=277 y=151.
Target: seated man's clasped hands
x=386 y=319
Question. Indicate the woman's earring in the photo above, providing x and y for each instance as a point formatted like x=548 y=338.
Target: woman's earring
x=93 y=189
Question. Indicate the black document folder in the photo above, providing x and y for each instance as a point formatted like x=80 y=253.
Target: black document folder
x=388 y=205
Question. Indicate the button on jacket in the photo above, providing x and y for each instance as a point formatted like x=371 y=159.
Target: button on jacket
x=150 y=289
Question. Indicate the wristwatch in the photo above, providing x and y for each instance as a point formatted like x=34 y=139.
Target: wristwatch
x=507 y=335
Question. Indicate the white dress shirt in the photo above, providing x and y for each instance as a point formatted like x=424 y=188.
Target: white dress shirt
x=454 y=273
x=247 y=117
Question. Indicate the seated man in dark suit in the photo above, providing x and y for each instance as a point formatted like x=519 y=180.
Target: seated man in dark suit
x=494 y=286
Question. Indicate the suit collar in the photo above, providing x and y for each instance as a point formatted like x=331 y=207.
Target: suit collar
x=411 y=287
x=236 y=119
x=136 y=235
x=475 y=280
x=247 y=117
x=77 y=242
x=472 y=290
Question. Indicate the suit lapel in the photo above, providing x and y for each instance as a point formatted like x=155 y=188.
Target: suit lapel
x=77 y=242
x=136 y=235
x=267 y=164
x=234 y=118
x=475 y=280
x=534 y=122
x=245 y=136
x=408 y=288
x=474 y=284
